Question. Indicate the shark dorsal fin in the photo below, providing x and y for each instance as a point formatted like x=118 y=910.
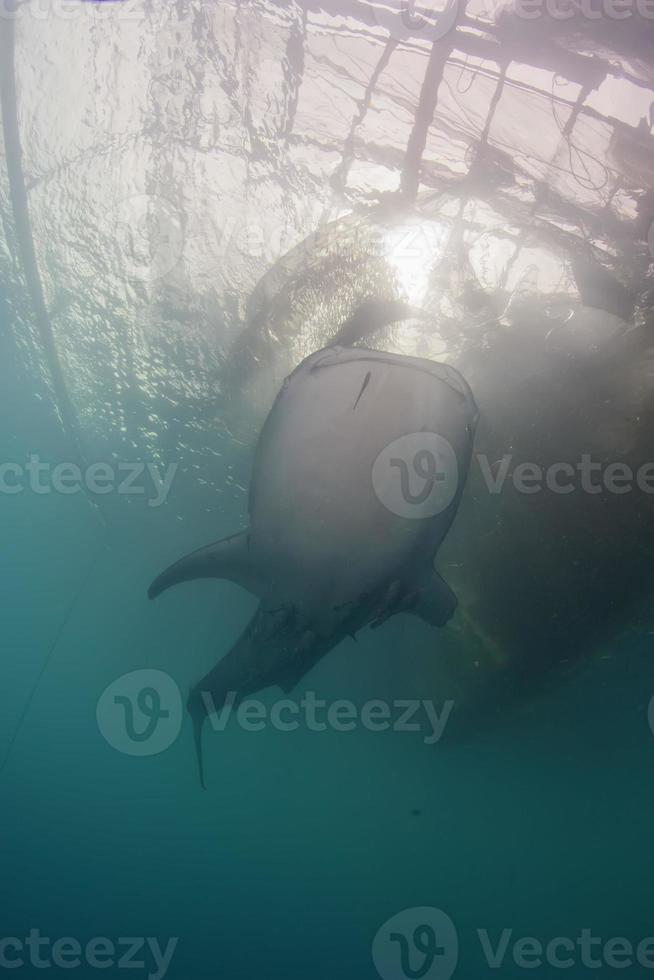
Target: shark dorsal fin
x=228 y=559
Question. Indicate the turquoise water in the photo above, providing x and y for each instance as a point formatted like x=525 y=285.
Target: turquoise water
x=304 y=843
x=530 y=819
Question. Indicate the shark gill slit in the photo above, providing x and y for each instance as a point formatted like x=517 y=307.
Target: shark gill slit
x=363 y=388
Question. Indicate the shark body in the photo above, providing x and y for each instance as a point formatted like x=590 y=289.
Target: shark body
x=345 y=515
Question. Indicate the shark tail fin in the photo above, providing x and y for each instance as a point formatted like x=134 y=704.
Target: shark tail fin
x=198 y=715
x=229 y=559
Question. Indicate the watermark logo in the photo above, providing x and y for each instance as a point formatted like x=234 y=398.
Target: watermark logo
x=422 y=944
x=124 y=11
x=148 y=231
x=318 y=715
x=416 y=476
x=99 y=953
x=431 y=19
x=587 y=475
x=416 y=944
x=41 y=477
x=140 y=713
x=650 y=239
x=567 y=10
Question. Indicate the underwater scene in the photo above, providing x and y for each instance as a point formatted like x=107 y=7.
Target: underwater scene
x=327 y=489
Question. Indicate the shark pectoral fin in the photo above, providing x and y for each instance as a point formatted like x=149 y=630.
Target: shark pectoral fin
x=229 y=559
x=435 y=602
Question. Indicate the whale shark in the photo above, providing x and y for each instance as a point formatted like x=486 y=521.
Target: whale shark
x=561 y=364
x=357 y=477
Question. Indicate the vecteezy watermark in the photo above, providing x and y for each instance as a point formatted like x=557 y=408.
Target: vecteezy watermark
x=565 y=952
x=140 y=714
x=404 y=19
x=128 y=11
x=423 y=943
x=148 y=234
x=99 y=953
x=416 y=476
x=587 y=476
x=650 y=239
x=411 y=245
x=125 y=478
x=566 y=10
x=416 y=943
x=318 y=715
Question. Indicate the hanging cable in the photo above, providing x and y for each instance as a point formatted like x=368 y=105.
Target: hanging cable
x=25 y=240
x=18 y=193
